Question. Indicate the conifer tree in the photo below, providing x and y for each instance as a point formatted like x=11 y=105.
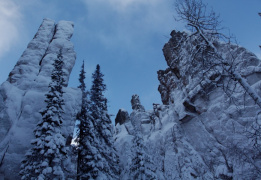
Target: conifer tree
x=44 y=159
x=99 y=102
x=142 y=167
x=87 y=161
x=108 y=164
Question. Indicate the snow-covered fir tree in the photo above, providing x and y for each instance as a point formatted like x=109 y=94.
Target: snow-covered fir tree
x=44 y=159
x=142 y=167
x=108 y=167
x=87 y=159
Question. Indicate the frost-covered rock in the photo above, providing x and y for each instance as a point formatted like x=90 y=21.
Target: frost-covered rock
x=22 y=95
x=202 y=129
x=135 y=103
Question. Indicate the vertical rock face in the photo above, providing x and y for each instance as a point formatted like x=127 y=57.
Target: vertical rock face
x=203 y=129
x=22 y=95
x=213 y=111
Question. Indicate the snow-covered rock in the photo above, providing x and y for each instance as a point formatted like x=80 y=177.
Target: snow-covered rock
x=135 y=103
x=22 y=95
x=122 y=117
x=202 y=129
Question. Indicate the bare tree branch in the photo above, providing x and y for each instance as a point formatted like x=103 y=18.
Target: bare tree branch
x=206 y=24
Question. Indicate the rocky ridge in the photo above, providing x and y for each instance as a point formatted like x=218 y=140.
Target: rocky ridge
x=201 y=131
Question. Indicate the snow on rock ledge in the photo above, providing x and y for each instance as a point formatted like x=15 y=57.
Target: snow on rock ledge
x=22 y=95
x=199 y=132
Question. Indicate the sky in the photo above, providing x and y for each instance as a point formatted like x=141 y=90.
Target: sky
x=125 y=37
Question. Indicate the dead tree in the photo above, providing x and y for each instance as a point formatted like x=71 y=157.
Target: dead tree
x=205 y=26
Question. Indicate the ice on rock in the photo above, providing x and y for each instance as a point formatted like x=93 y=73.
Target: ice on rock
x=22 y=95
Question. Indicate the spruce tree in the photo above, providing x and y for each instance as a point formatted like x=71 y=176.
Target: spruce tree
x=44 y=159
x=87 y=161
x=99 y=102
x=142 y=167
x=108 y=164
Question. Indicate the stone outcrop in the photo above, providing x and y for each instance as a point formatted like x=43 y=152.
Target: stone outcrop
x=204 y=128
x=122 y=117
x=135 y=103
x=22 y=95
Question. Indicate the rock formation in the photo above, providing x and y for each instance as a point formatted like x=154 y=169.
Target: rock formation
x=22 y=95
x=135 y=103
x=203 y=129
x=122 y=117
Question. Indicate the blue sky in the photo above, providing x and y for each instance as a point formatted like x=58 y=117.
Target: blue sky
x=125 y=37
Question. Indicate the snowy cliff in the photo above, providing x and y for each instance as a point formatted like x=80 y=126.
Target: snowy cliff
x=204 y=128
x=22 y=95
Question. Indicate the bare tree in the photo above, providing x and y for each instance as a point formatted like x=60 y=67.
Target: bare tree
x=195 y=14
x=205 y=26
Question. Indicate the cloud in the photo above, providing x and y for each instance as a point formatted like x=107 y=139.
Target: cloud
x=114 y=22
x=147 y=11
x=122 y=5
x=10 y=18
x=126 y=5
